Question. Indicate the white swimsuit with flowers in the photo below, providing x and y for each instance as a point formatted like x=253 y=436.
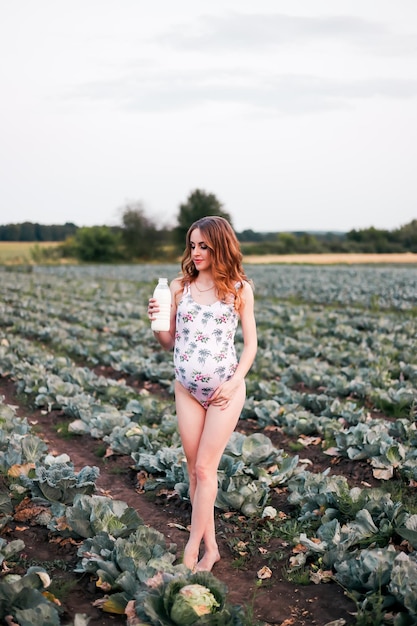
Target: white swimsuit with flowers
x=204 y=350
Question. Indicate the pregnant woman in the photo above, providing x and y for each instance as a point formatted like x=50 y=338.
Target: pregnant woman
x=209 y=298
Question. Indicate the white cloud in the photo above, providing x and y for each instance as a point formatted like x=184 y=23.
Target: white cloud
x=158 y=92
x=256 y=31
x=297 y=115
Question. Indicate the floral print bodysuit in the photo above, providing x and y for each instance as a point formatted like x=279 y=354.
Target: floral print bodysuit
x=204 y=350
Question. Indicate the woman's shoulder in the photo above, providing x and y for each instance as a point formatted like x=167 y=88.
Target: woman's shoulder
x=247 y=293
x=177 y=289
x=245 y=285
x=176 y=282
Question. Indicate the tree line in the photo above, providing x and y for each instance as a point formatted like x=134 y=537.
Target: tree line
x=28 y=231
x=140 y=238
x=366 y=240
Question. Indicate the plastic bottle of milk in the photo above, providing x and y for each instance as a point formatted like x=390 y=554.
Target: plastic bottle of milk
x=162 y=294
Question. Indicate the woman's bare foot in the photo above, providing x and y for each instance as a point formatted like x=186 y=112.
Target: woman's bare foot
x=205 y=564
x=190 y=560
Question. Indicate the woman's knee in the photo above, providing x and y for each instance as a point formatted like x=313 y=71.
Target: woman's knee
x=205 y=472
x=192 y=473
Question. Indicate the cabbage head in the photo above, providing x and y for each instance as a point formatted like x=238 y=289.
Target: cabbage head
x=185 y=599
x=191 y=602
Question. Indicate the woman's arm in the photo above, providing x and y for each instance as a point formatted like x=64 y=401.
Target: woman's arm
x=166 y=338
x=250 y=339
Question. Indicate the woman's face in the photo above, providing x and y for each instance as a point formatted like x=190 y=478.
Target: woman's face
x=200 y=252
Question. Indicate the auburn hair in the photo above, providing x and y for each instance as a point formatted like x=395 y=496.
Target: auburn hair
x=228 y=273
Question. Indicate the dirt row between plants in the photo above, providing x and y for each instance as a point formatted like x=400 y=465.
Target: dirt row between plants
x=275 y=601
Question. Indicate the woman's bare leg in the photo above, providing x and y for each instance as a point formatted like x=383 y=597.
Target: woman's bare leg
x=191 y=417
x=204 y=443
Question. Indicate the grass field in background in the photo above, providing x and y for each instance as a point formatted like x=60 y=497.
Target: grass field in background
x=15 y=252
x=351 y=258
x=19 y=251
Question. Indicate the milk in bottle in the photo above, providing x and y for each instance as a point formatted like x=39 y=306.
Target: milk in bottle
x=162 y=294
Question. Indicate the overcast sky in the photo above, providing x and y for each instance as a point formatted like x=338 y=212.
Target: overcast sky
x=297 y=115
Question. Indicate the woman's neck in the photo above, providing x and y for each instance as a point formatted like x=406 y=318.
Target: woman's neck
x=204 y=279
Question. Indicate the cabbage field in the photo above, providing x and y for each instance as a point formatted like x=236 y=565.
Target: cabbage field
x=317 y=501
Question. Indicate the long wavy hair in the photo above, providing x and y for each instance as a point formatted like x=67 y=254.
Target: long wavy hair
x=228 y=273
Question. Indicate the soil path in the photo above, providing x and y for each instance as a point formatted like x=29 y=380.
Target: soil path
x=275 y=602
